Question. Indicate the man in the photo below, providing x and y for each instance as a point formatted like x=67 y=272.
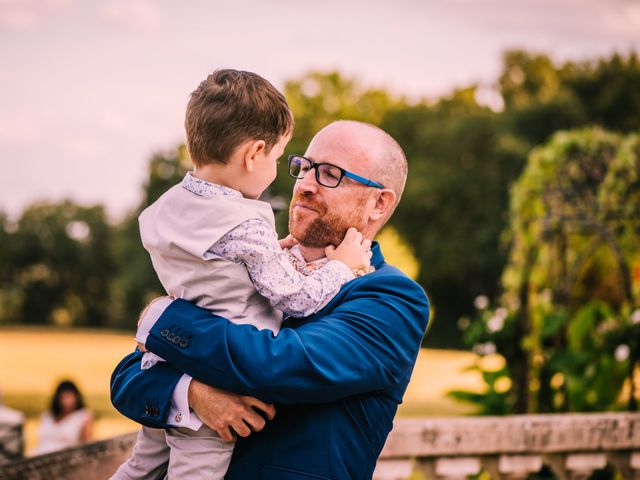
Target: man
x=337 y=376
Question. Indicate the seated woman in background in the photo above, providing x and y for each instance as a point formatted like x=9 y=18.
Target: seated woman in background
x=67 y=424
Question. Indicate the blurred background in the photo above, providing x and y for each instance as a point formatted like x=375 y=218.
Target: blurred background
x=521 y=215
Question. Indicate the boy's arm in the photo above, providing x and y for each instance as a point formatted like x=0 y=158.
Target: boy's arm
x=369 y=342
x=255 y=244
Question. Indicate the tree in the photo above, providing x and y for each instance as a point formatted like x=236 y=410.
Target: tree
x=574 y=224
x=56 y=266
x=462 y=159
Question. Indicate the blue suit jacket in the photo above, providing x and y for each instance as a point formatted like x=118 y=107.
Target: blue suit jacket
x=336 y=377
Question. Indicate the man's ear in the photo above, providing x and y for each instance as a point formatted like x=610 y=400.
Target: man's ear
x=252 y=150
x=385 y=199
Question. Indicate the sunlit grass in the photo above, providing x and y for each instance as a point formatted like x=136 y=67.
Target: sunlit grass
x=33 y=361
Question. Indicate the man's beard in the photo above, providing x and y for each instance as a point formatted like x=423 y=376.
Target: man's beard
x=326 y=229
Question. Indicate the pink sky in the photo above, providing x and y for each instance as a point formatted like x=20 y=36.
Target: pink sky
x=89 y=89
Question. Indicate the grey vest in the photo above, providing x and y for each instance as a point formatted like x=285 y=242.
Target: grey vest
x=179 y=229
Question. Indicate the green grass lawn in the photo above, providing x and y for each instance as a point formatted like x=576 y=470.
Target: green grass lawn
x=34 y=360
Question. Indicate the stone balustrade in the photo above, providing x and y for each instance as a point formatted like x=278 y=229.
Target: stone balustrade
x=573 y=446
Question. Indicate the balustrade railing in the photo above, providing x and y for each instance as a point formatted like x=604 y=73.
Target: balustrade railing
x=572 y=446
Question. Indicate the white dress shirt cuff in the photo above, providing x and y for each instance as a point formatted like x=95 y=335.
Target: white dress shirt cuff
x=150 y=318
x=179 y=413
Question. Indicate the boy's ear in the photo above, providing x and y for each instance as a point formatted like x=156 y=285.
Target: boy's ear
x=251 y=152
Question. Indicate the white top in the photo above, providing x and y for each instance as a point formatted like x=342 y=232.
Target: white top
x=62 y=434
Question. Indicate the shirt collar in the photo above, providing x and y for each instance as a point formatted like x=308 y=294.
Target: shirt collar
x=377 y=259
x=207 y=189
x=301 y=264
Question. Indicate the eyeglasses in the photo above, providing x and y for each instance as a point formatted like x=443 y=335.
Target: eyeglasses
x=327 y=175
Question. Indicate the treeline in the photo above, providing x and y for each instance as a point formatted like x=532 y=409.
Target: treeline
x=65 y=264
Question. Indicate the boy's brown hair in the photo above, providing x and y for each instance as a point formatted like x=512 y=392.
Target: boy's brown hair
x=230 y=107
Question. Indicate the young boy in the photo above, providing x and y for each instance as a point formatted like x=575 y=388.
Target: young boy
x=213 y=243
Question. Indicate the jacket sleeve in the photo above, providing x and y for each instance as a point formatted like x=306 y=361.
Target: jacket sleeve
x=144 y=396
x=368 y=342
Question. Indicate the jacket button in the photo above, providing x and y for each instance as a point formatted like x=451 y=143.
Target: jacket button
x=184 y=342
x=176 y=339
x=164 y=332
x=171 y=336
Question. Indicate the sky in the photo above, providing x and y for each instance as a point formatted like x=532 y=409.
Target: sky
x=89 y=89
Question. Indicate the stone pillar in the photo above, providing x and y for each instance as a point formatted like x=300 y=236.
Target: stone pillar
x=390 y=469
x=449 y=468
x=626 y=463
x=512 y=467
x=576 y=466
x=11 y=435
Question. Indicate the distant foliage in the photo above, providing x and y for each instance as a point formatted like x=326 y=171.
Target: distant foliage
x=55 y=266
x=463 y=158
x=568 y=322
x=135 y=282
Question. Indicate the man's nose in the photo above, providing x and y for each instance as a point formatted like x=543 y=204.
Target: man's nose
x=308 y=183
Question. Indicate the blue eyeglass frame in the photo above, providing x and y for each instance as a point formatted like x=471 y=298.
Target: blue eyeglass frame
x=343 y=173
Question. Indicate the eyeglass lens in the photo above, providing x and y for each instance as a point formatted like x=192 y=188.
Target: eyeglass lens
x=327 y=175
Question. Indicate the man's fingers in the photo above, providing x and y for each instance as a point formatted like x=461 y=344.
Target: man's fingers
x=226 y=435
x=227 y=413
x=267 y=408
x=241 y=428
x=254 y=421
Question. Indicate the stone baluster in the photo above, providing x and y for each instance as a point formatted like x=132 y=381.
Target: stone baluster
x=626 y=463
x=511 y=467
x=393 y=469
x=575 y=466
x=449 y=468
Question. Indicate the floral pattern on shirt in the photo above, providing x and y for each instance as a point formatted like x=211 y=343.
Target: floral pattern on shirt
x=292 y=285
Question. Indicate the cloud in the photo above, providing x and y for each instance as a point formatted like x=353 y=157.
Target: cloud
x=623 y=21
x=27 y=14
x=558 y=18
x=17 y=129
x=137 y=15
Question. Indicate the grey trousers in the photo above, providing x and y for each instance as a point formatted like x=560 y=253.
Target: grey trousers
x=180 y=452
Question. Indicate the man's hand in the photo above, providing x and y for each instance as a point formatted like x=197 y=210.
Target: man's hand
x=228 y=413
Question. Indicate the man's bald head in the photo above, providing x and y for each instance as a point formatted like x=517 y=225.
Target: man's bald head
x=382 y=158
